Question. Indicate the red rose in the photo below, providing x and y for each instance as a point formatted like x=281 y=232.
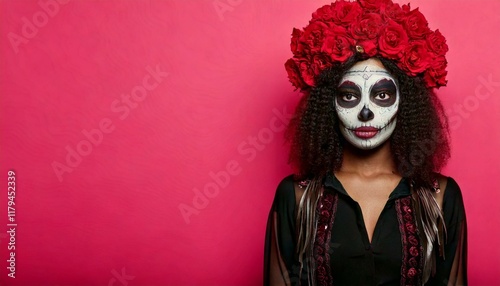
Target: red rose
x=416 y=58
x=435 y=76
x=395 y=12
x=375 y=27
x=373 y=5
x=440 y=76
x=392 y=40
x=319 y=63
x=306 y=72
x=294 y=74
x=345 y=12
x=313 y=37
x=413 y=251
x=437 y=43
x=323 y=14
x=367 y=28
x=338 y=44
x=412 y=272
x=370 y=47
x=416 y=25
x=406 y=8
x=295 y=45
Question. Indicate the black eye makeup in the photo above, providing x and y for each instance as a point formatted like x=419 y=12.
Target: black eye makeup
x=383 y=93
x=349 y=95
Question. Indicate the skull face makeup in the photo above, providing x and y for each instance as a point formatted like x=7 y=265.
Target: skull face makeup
x=367 y=104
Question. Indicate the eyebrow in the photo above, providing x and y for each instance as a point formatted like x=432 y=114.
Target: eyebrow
x=349 y=85
x=384 y=84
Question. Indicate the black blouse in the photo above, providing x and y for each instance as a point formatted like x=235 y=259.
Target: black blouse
x=353 y=259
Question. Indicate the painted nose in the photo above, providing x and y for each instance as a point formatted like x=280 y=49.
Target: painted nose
x=365 y=114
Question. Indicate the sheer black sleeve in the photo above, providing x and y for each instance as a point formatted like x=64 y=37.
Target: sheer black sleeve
x=280 y=235
x=452 y=270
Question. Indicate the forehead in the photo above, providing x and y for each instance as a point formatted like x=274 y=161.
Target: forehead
x=367 y=72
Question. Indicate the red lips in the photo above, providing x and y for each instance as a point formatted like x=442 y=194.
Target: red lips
x=365 y=132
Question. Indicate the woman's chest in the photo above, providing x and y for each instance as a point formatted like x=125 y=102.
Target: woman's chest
x=345 y=251
x=354 y=258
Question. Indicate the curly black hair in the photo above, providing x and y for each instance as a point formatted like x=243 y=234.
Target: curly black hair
x=419 y=144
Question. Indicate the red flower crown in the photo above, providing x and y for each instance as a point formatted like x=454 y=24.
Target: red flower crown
x=370 y=27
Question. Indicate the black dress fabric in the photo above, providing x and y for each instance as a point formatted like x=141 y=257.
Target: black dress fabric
x=353 y=259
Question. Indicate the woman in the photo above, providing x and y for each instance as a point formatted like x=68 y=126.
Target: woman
x=366 y=205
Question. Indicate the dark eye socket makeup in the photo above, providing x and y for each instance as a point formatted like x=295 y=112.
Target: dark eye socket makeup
x=384 y=87
x=349 y=94
x=382 y=93
x=349 y=86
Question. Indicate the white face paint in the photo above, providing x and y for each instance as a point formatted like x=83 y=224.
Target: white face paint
x=367 y=104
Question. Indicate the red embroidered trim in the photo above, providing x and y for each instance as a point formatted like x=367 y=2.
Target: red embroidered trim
x=411 y=267
x=325 y=211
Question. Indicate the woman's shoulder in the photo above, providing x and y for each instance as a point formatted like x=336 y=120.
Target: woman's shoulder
x=449 y=188
x=450 y=198
x=286 y=188
x=286 y=184
x=289 y=191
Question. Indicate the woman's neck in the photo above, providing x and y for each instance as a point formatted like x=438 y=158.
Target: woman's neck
x=368 y=163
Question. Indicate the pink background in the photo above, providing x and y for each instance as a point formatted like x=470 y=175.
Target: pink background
x=210 y=100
